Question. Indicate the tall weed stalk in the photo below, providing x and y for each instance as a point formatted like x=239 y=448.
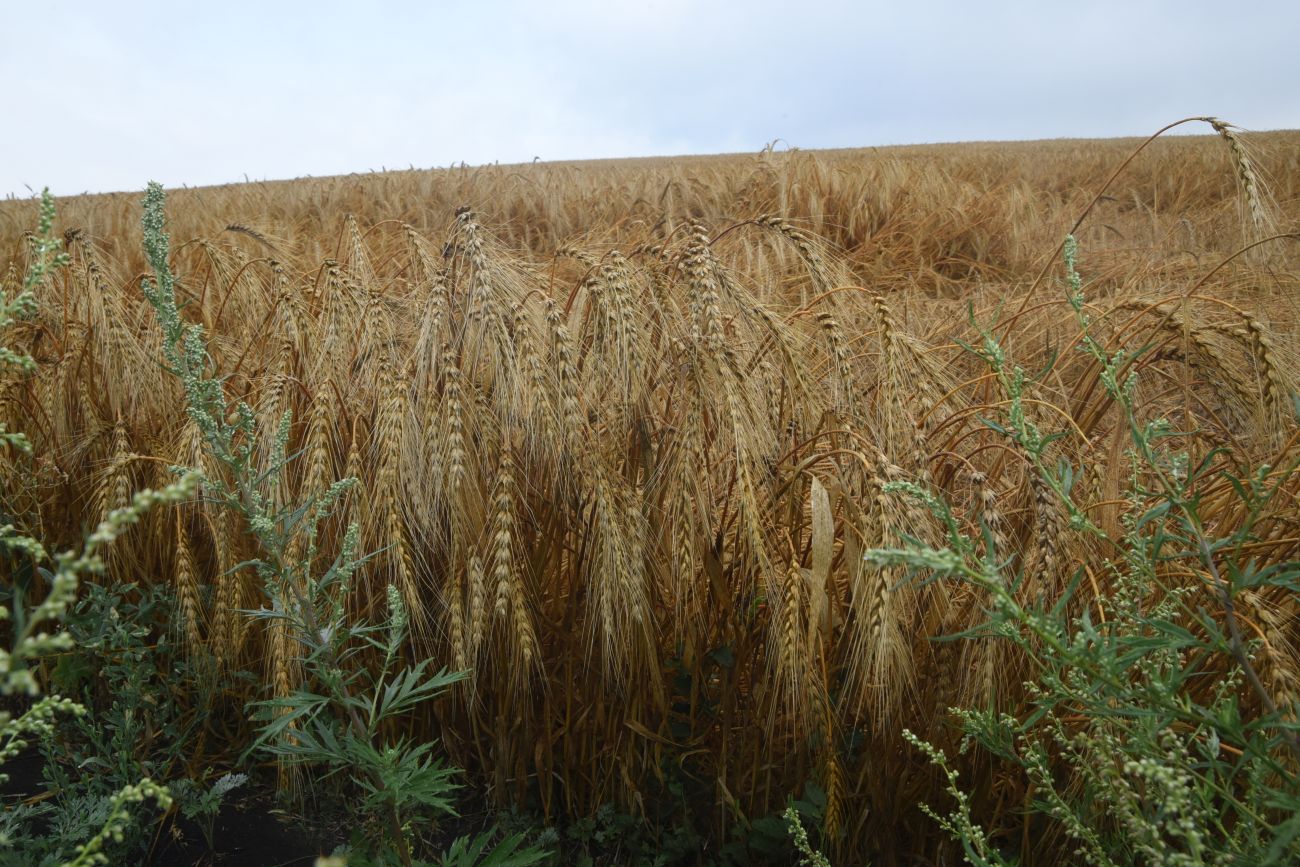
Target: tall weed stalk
x=37 y=633
x=356 y=683
x=1148 y=736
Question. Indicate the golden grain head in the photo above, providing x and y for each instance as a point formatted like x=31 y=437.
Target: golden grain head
x=632 y=490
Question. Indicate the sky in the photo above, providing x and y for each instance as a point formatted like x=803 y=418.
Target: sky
x=109 y=95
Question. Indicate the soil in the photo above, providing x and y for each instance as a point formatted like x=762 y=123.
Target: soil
x=249 y=831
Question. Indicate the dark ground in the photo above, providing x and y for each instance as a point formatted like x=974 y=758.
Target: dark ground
x=250 y=831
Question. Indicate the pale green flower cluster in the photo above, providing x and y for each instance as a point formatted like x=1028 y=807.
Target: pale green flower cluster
x=40 y=634
x=1139 y=742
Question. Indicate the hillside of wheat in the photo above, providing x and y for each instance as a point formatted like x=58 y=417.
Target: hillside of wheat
x=624 y=430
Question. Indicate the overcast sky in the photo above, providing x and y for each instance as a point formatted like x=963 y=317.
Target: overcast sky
x=108 y=94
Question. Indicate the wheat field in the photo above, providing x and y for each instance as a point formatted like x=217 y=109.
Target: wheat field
x=624 y=429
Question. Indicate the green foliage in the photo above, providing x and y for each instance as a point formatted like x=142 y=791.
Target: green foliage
x=614 y=837
x=147 y=707
x=126 y=671
x=339 y=725
x=958 y=823
x=36 y=634
x=808 y=856
x=340 y=720
x=201 y=803
x=1138 y=740
x=482 y=851
x=772 y=839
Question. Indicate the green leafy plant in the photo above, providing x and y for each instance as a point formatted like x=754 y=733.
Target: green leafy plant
x=35 y=632
x=771 y=839
x=611 y=836
x=356 y=682
x=338 y=725
x=808 y=856
x=126 y=671
x=483 y=850
x=201 y=803
x=1150 y=736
